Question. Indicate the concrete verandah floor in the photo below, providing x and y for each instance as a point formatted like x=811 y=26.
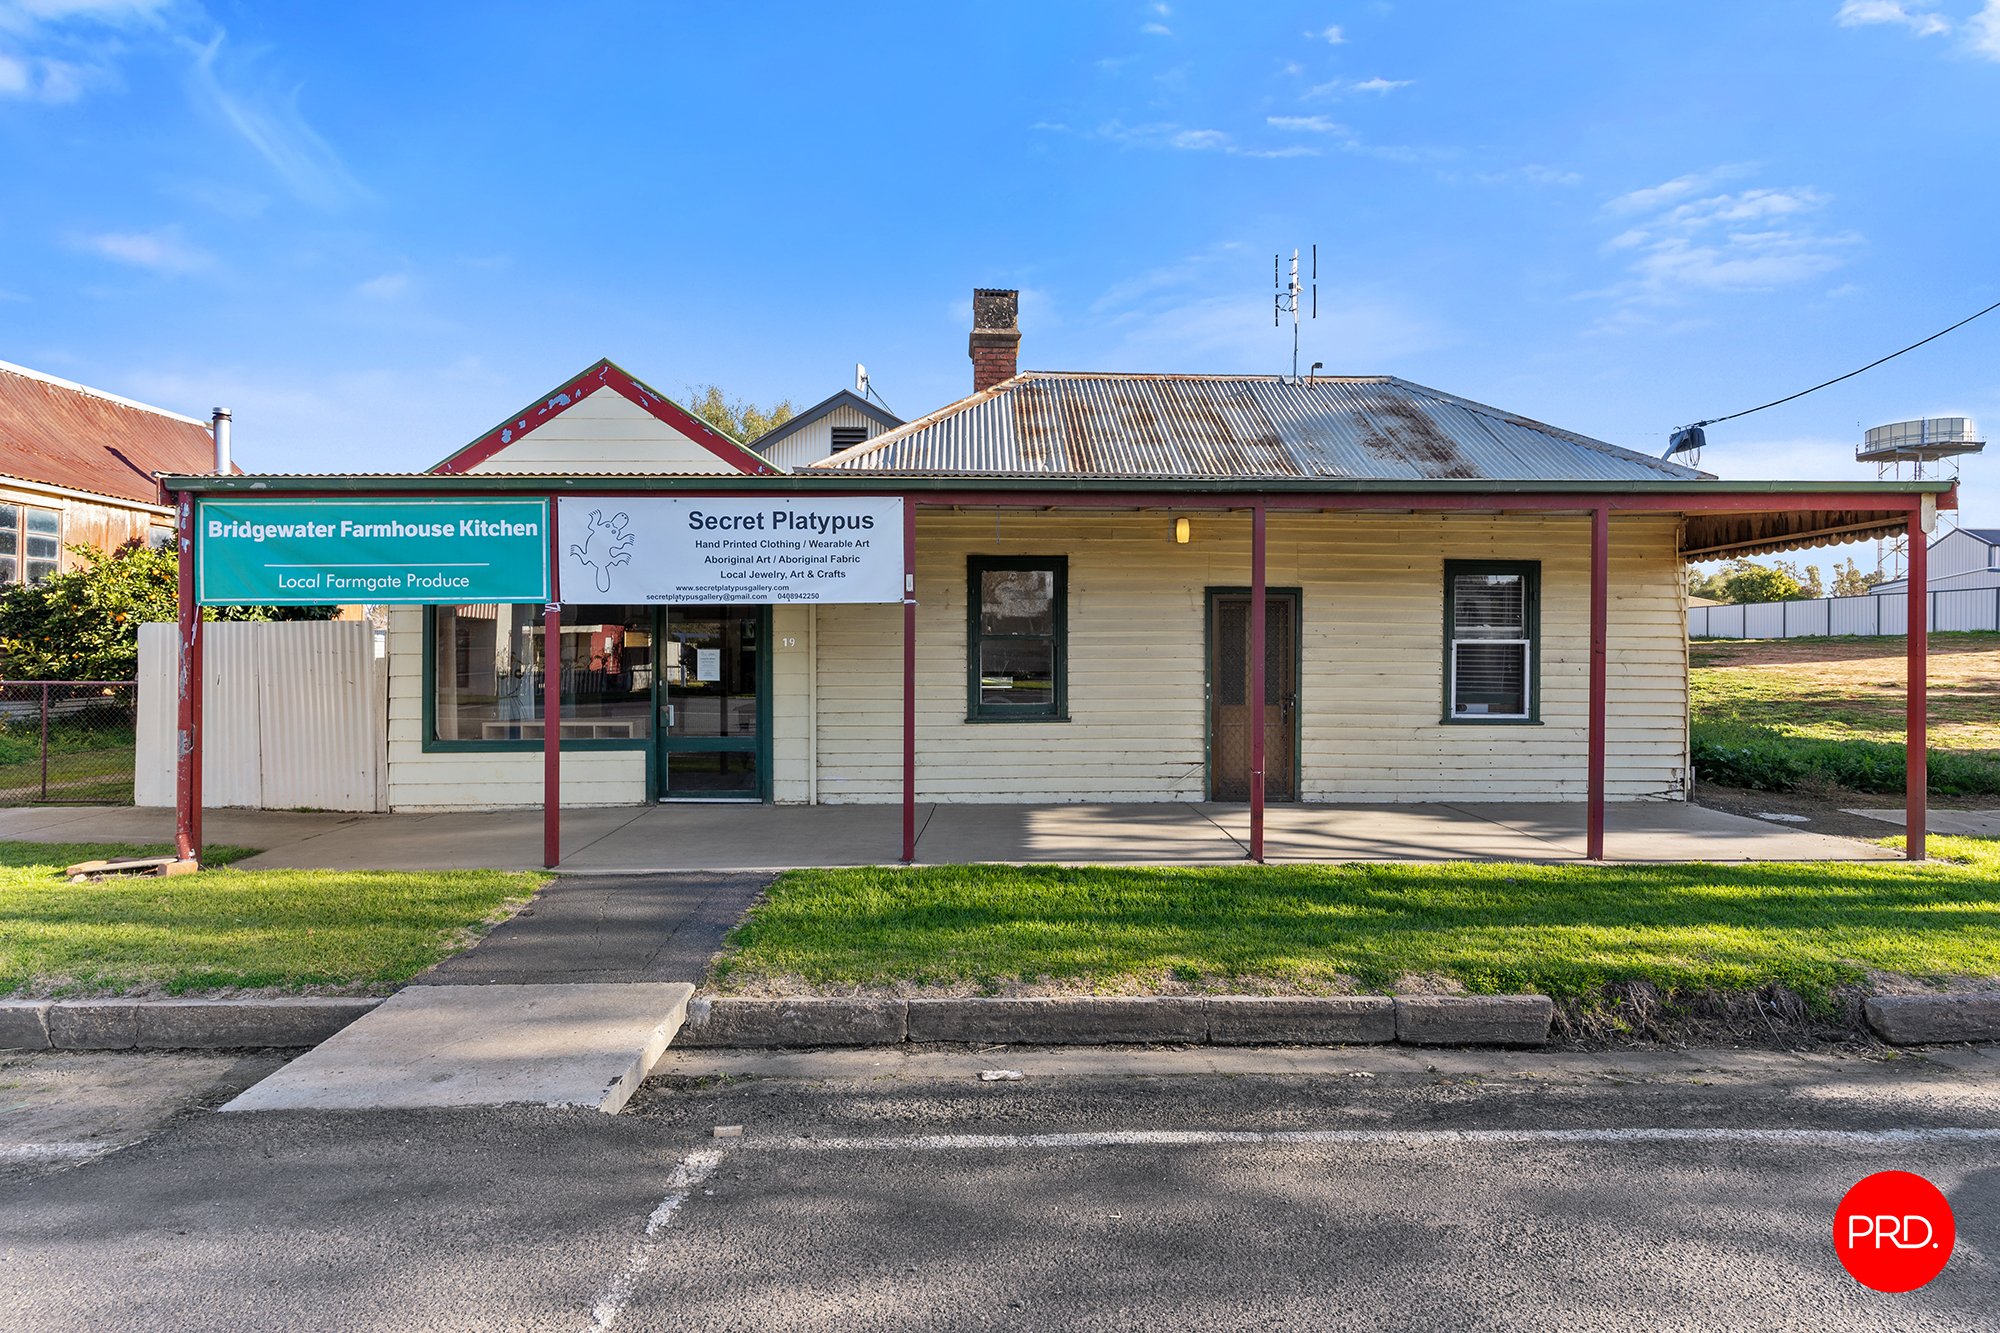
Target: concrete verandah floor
x=754 y=837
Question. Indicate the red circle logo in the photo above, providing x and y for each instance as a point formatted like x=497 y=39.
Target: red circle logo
x=1893 y=1231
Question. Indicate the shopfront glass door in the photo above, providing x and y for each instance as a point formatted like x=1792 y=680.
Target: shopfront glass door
x=714 y=703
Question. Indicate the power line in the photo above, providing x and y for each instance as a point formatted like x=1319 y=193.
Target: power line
x=1676 y=443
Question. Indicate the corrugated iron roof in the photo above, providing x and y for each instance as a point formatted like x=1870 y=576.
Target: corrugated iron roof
x=1352 y=427
x=63 y=434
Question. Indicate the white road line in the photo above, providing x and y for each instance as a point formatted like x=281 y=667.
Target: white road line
x=689 y=1172
x=1144 y=1138
x=39 y=1152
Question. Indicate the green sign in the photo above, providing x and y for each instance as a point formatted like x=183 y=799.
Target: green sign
x=403 y=552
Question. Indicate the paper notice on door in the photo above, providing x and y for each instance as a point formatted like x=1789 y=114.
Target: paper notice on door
x=708 y=664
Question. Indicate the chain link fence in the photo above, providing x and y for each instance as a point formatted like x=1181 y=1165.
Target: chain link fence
x=67 y=742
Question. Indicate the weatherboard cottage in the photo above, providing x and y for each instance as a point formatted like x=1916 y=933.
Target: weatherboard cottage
x=1047 y=592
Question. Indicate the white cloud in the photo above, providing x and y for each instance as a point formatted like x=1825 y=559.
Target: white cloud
x=385 y=288
x=1294 y=150
x=1330 y=35
x=1856 y=13
x=1752 y=240
x=1340 y=87
x=1984 y=28
x=1678 y=188
x=55 y=50
x=278 y=131
x=162 y=251
x=1163 y=134
x=1541 y=175
x=1156 y=29
x=1317 y=124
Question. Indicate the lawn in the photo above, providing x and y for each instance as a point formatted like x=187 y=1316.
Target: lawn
x=1563 y=930
x=231 y=928
x=1771 y=713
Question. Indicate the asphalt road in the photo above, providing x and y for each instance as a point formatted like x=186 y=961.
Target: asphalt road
x=874 y=1191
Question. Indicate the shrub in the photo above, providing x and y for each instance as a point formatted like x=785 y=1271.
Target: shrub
x=84 y=624
x=1762 y=759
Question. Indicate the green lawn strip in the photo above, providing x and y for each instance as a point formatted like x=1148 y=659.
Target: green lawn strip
x=1563 y=930
x=225 y=927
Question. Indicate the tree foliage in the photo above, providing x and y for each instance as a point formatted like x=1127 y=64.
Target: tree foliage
x=1758 y=584
x=1808 y=578
x=84 y=625
x=1849 y=581
x=740 y=420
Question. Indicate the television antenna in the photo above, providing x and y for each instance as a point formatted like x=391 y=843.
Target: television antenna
x=1286 y=299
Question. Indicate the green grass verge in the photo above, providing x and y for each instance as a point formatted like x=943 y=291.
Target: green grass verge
x=283 y=928
x=1737 y=754
x=1563 y=930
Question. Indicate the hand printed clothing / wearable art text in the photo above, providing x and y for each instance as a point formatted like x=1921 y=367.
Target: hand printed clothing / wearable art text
x=732 y=551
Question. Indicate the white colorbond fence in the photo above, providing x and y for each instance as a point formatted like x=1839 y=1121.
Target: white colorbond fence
x=1958 y=609
x=294 y=714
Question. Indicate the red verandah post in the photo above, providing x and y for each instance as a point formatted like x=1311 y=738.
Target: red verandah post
x=552 y=707
x=187 y=740
x=909 y=680
x=1600 y=624
x=1257 y=656
x=1916 y=718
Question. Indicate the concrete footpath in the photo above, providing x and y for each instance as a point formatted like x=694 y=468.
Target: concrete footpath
x=638 y=839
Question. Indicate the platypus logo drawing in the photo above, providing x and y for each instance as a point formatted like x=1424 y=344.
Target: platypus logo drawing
x=606 y=544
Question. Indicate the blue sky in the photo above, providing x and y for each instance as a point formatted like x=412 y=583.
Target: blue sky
x=375 y=230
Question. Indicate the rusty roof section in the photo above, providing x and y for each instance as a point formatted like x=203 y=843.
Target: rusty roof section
x=1370 y=427
x=63 y=434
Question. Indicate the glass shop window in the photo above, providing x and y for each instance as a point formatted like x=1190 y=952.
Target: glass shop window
x=491 y=669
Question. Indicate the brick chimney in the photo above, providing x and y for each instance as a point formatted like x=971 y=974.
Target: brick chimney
x=995 y=346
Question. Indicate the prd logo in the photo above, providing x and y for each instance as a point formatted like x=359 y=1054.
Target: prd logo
x=1893 y=1231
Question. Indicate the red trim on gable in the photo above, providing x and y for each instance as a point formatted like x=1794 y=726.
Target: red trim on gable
x=603 y=375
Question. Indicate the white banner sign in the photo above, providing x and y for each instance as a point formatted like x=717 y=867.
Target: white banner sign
x=742 y=551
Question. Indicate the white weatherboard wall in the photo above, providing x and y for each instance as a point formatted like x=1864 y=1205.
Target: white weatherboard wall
x=1370 y=688
x=460 y=781
x=292 y=716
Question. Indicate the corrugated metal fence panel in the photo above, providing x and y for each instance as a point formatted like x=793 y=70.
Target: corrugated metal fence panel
x=1951 y=611
x=1764 y=620
x=1966 y=609
x=153 y=759
x=1854 y=615
x=316 y=710
x=292 y=715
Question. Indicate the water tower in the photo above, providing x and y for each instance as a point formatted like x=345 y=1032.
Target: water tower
x=1929 y=447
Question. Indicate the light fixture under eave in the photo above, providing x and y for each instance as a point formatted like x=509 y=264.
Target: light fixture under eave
x=1181 y=532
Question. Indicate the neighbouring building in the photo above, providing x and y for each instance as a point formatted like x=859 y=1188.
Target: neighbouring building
x=78 y=466
x=831 y=426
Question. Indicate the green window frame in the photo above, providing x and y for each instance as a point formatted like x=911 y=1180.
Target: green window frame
x=1492 y=643
x=984 y=696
